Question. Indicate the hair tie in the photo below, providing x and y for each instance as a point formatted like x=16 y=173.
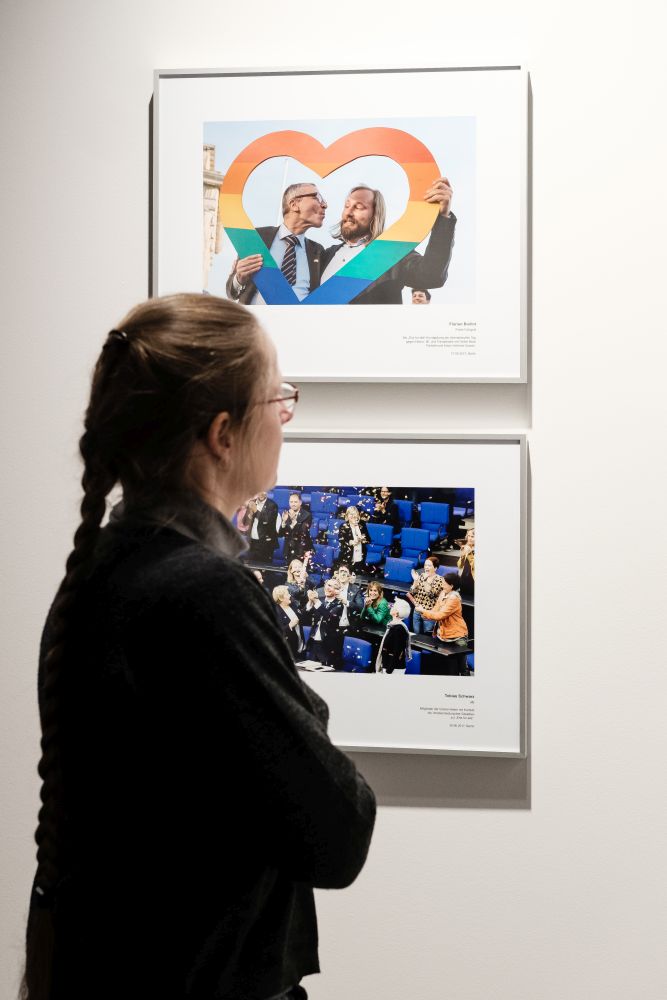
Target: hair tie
x=119 y=335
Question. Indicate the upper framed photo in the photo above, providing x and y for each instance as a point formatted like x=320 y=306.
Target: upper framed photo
x=396 y=565
x=282 y=189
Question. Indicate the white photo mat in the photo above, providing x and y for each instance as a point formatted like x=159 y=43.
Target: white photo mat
x=421 y=713
x=475 y=327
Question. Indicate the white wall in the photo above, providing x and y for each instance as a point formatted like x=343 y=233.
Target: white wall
x=503 y=879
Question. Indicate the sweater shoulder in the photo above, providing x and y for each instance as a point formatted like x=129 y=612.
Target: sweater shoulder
x=168 y=570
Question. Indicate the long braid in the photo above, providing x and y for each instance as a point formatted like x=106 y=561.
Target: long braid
x=97 y=481
x=175 y=363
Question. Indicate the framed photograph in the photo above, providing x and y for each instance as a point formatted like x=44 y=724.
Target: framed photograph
x=281 y=190
x=397 y=570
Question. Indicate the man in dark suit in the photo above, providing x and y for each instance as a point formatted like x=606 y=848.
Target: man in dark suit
x=295 y=529
x=303 y=208
x=362 y=221
x=325 y=642
x=262 y=514
x=350 y=595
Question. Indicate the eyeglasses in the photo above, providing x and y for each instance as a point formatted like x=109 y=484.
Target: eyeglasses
x=311 y=194
x=289 y=397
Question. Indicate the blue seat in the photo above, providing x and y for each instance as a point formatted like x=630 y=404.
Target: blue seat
x=414 y=666
x=322 y=504
x=435 y=519
x=357 y=655
x=281 y=495
x=445 y=568
x=366 y=503
x=380 y=534
x=332 y=531
x=323 y=556
x=415 y=544
x=399 y=569
x=278 y=557
x=404 y=511
x=381 y=537
x=306 y=633
x=471 y=661
x=465 y=497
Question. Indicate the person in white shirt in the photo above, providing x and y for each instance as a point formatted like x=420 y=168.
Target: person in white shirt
x=354 y=538
x=262 y=513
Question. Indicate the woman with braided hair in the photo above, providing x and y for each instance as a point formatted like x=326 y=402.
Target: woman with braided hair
x=191 y=798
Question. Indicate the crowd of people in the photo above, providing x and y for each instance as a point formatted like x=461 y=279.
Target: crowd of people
x=317 y=605
x=340 y=604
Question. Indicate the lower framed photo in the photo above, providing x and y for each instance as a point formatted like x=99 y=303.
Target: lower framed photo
x=397 y=569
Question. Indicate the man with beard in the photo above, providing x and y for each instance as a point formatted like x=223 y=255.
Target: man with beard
x=298 y=258
x=363 y=220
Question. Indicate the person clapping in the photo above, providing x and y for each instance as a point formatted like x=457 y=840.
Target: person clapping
x=288 y=620
x=354 y=538
x=376 y=607
x=424 y=591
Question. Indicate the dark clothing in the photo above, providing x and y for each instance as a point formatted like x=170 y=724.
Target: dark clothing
x=388 y=513
x=415 y=270
x=313 y=254
x=327 y=616
x=297 y=536
x=299 y=594
x=355 y=601
x=262 y=548
x=346 y=555
x=204 y=800
x=393 y=649
x=293 y=636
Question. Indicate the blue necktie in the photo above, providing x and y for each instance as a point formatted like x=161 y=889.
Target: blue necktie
x=288 y=266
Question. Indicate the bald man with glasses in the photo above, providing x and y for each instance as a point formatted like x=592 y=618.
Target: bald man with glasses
x=298 y=258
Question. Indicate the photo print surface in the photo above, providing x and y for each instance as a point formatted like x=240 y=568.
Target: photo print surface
x=297 y=197
x=368 y=579
x=375 y=248
x=393 y=567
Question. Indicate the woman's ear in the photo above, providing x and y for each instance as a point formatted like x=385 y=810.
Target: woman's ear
x=220 y=437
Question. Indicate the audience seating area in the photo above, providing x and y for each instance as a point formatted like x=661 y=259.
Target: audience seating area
x=421 y=526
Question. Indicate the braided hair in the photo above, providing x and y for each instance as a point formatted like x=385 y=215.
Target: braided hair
x=161 y=378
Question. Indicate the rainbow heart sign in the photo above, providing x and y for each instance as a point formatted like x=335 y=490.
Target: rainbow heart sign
x=374 y=260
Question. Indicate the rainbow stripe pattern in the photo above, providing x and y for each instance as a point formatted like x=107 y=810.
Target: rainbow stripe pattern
x=380 y=255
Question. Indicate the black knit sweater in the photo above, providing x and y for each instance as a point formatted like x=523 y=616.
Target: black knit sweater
x=204 y=798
